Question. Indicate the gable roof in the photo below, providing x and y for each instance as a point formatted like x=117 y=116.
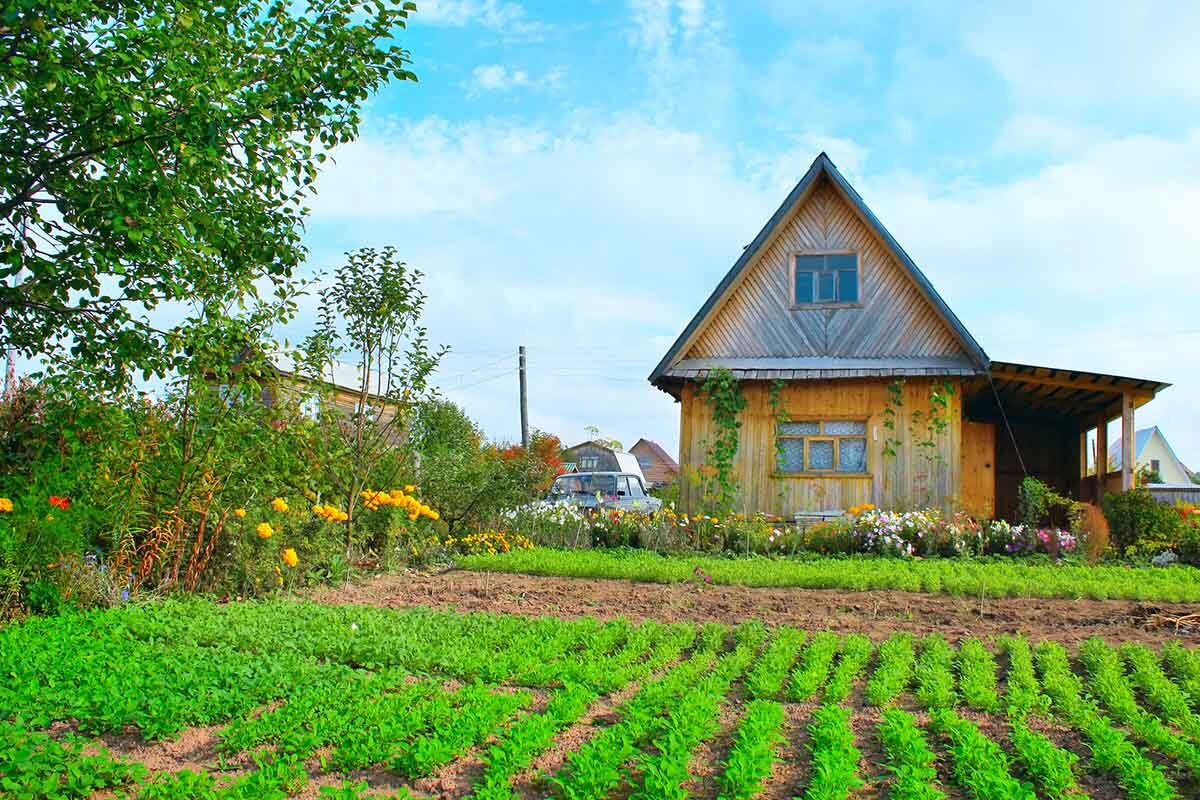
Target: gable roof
x=657 y=451
x=822 y=166
x=1140 y=438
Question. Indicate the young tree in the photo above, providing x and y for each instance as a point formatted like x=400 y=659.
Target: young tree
x=369 y=319
x=153 y=151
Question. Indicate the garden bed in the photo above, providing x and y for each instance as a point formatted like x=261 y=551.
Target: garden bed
x=314 y=700
x=875 y=613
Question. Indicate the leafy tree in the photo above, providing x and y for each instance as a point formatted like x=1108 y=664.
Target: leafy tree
x=369 y=319
x=153 y=151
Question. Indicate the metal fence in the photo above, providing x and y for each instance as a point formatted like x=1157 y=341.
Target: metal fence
x=1172 y=493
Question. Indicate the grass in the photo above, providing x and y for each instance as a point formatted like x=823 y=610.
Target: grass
x=987 y=577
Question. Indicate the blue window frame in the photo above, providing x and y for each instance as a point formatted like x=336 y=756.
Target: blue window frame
x=825 y=278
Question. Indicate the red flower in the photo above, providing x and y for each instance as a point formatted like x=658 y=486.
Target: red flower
x=60 y=502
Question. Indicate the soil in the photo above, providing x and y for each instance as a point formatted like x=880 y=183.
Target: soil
x=876 y=614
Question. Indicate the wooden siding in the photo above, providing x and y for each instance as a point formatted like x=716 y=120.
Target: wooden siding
x=895 y=318
x=606 y=461
x=906 y=481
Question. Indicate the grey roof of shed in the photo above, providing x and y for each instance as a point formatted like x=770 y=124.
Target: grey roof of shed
x=821 y=166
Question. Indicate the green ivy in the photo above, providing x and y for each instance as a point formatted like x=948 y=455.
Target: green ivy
x=723 y=394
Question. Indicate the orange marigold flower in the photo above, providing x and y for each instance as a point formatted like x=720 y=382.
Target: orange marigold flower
x=264 y=530
x=6 y=505
x=60 y=502
x=289 y=557
x=240 y=513
x=280 y=505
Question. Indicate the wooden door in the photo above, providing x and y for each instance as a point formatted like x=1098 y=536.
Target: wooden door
x=979 y=469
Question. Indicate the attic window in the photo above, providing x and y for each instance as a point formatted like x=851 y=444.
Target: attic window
x=825 y=279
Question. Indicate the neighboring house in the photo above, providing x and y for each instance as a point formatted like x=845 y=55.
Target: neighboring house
x=825 y=313
x=1154 y=453
x=658 y=467
x=596 y=457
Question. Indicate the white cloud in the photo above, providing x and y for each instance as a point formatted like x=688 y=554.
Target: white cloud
x=499 y=78
x=1088 y=53
x=507 y=17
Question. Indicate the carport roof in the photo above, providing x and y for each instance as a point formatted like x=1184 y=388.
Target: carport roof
x=1078 y=394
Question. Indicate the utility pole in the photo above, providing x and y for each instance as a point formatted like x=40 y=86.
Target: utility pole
x=524 y=399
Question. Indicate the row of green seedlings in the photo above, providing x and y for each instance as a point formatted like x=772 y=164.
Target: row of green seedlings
x=1111 y=749
x=1170 y=699
x=1184 y=665
x=518 y=746
x=594 y=769
x=1108 y=683
x=980 y=766
x=834 y=759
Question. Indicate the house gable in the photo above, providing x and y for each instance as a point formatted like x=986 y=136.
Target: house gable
x=750 y=320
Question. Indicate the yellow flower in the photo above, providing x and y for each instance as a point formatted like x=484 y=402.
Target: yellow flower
x=239 y=512
x=5 y=505
x=310 y=494
x=868 y=507
x=280 y=505
x=264 y=530
x=289 y=557
x=410 y=488
x=853 y=511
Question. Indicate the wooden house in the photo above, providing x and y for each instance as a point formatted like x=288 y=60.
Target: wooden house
x=861 y=385
x=593 y=456
x=658 y=467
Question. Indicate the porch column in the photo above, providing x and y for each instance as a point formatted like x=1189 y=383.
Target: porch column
x=1083 y=484
x=1101 y=457
x=1128 y=447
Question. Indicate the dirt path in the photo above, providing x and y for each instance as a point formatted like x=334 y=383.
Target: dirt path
x=876 y=614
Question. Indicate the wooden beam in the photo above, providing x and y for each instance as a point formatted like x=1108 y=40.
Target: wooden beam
x=1101 y=458
x=1083 y=454
x=1128 y=445
x=1078 y=383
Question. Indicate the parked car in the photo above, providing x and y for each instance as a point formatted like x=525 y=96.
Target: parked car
x=608 y=489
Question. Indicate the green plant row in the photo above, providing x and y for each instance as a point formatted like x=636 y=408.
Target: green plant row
x=1051 y=767
x=767 y=678
x=480 y=712
x=833 y=754
x=694 y=719
x=595 y=768
x=1170 y=700
x=934 y=673
x=534 y=733
x=991 y=577
x=1184 y=665
x=977 y=676
x=1107 y=682
x=1111 y=749
x=812 y=671
x=893 y=670
x=909 y=758
x=981 y=766
x=34 y=764
x=856 y=652
x=273 y=778
x=759 y=735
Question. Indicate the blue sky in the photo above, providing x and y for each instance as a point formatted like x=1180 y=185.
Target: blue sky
x=577 y=176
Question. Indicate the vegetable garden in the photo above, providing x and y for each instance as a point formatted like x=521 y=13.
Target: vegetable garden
x=287 y=698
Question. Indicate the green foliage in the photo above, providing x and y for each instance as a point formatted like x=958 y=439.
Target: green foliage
x=754 y=751
x=980 y=766
x=815 y=662
x=1038 y=504
x=893 y=671
x=766 y=680
x=909 y=758
x=1111 y=749
x=177 y=146
x=977 y=676
x=834 y=756
x=978 y=578
x=934 y=673
x=1139 y=523
x=723 y=394
x=856 y=651
x=34 y=764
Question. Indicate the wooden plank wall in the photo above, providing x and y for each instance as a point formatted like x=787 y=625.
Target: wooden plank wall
x=757 y=320
x=906 y=481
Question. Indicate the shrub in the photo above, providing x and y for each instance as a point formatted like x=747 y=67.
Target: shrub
x=1139 y=524
x=830 y=536
x=1092 y=529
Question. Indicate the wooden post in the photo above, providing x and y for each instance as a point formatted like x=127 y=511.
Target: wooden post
x=1101 y=458
x=1082 y=488
x=1128 y=445
x=524 y=398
